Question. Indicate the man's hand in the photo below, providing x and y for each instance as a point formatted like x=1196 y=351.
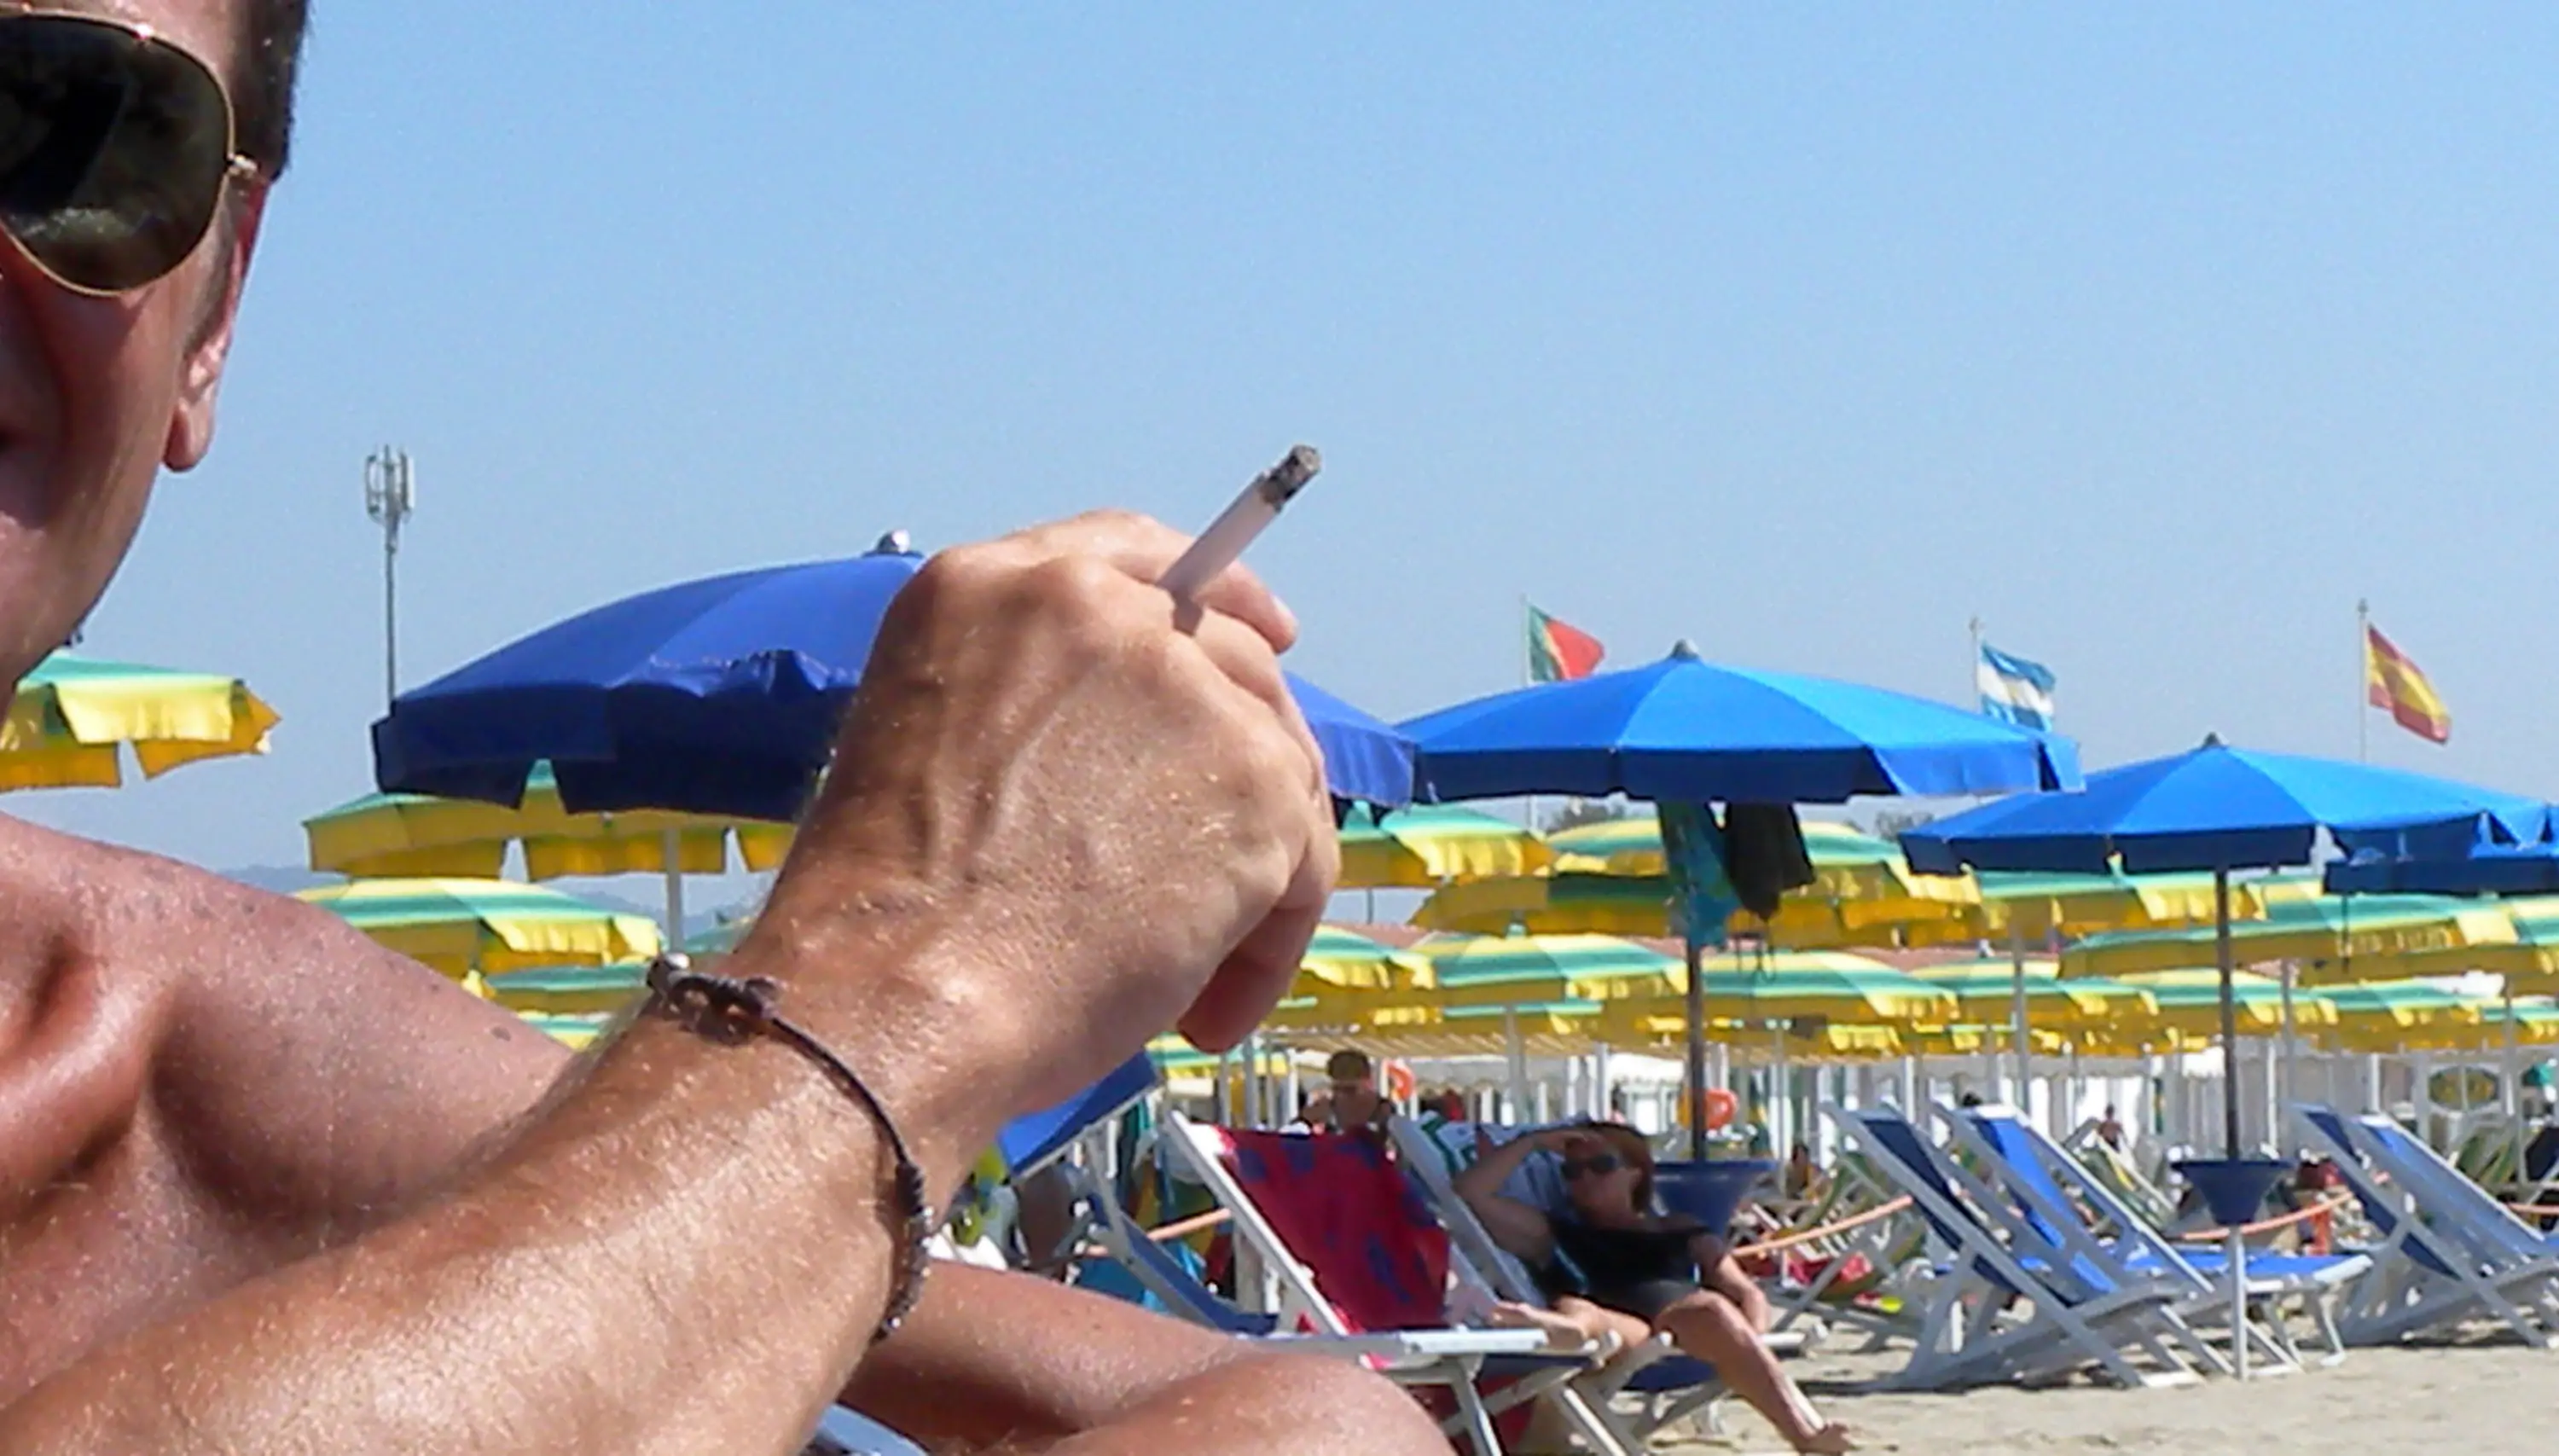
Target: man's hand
x=1065 y=812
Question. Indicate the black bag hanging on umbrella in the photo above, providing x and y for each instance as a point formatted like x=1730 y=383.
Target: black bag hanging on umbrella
x=1765 y=856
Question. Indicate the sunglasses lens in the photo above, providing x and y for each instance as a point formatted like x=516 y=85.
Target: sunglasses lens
x=113 y=150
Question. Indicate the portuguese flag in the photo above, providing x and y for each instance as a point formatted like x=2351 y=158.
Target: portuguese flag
x=1558 y=652
x=2395 y=685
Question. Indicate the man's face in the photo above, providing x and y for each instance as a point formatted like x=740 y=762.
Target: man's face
x=97 y=394
x=1354 y=1099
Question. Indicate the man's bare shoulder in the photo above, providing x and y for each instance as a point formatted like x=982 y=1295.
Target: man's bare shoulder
x=130 y=907
x=278 y=1032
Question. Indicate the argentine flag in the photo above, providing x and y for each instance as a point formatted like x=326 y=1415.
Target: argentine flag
x=2014 y=689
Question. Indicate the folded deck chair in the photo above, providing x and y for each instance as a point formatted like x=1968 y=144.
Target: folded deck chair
x=1663 y=1384
x=2439 y=1262
x=2048 y=1187
x=2077 y=1312
x=1331 y=1241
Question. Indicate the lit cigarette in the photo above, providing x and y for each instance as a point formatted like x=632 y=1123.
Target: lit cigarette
x=1222 y=544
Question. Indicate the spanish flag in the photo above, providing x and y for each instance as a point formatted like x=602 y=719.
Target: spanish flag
x=2394 y=684
x=1560 y=652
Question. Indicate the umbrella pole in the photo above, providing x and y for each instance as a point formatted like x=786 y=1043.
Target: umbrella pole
x=672 y=846
x=2283 y=1093
x=1695 y=998
x=1515 y=1051
x=2513 y=1092
x=2230 y=1015
x=1781 y=1100
x=2017 y=1020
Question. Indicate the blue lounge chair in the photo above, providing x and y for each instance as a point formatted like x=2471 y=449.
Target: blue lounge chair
x=2442 y=1260
x=2077 y=1311
x=2049 y=1186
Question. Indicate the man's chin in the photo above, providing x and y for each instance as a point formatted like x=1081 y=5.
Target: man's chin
x=35 y=615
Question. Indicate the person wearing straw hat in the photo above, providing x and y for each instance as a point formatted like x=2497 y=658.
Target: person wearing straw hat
x=267 y=1184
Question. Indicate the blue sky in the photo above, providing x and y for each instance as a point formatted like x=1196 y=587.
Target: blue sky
x=2154 y=337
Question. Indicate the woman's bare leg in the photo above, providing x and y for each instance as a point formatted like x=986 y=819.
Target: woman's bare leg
x=1576 y=1319
x=1709 y=1327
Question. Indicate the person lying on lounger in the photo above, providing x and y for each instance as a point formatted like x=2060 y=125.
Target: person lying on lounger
x=1615 y=1271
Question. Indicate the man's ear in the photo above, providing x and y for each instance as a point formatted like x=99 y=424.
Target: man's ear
x=200 y=379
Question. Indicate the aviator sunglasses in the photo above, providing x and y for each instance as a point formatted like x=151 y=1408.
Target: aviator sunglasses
x=1596 y=1165
x=115 y=147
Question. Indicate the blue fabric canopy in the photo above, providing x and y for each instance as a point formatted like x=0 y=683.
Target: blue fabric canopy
x=1683 y=729
x=2219 y=807
x=2487 y=869
x=716 y=696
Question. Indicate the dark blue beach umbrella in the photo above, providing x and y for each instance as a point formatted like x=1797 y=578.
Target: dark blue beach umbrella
x=1683 y=732
x=717 y=696
x=2221 y=809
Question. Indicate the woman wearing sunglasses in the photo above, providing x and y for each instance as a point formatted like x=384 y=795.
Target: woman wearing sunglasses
x=1615 y=1271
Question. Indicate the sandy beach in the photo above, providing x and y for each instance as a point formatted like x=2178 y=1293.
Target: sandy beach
x=2486 y=1397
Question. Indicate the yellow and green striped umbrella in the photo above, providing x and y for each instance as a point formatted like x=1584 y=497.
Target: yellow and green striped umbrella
x=1983 y=990
x=576 y=1032
x=2530 y=964
x=414 y=834
x=570 y=990
x=73 y=714
x=1849 y=865
x=1428 y=844
x=1580 y=902
x=1350 y=961
x=2535 y=1023
x=1638 y=1027
x=2395 y=1015
x=1348 y=980
x=463 y=926
x=1560 y=1028
x=1174 y=1057
x=2039 y=905
x=1758 y=988
x=2333 y=937
x=1517 y=970
x=2189 y=1002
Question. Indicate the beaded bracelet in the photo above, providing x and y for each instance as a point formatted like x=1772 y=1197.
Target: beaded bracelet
x=732 y=1010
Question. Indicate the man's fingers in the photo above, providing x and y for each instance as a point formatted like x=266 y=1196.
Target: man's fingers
x=1144 y=548
x=1253 y=980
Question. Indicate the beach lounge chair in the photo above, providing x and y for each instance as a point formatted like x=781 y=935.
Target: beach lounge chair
x=1334 y=1248
x=1846 y=1260
x=2049 y=1188
x=1663 y=1384
x=2441 y=1260
x=2011 y=1305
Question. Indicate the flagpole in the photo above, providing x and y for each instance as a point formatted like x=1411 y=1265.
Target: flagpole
x=1528 y=677
x=1973 y=673
x=2362 y=681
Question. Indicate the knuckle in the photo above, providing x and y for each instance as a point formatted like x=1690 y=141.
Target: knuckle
x=959 y=573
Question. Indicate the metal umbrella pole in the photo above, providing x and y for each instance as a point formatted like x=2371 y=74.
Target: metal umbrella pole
x=1696 y=1004
x=2229 y=1014
x=2017 y=1018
